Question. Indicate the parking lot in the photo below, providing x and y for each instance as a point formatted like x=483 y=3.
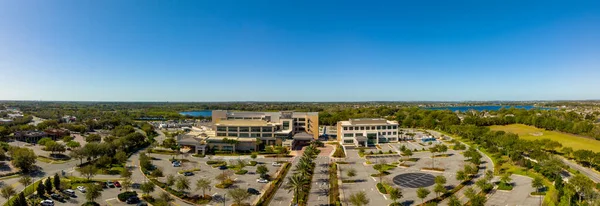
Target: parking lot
x=519 y=195
x=245 y=181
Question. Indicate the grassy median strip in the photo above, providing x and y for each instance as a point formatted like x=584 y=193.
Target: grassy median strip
x=272 y=189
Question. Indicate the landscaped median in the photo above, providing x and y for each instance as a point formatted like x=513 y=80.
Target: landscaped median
x=334 y=188
x=266 y=197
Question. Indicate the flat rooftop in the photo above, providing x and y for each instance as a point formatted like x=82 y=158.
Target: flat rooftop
x=368 y=121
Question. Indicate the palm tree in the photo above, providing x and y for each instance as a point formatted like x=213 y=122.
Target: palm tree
x=238 y=195
x=359 y=199
x=453 y=201
x=395 y=194
x=433 y=150
x=538 y=183
x=182 y=184
x=203 y=184
x=422 y=193
x=297 y=183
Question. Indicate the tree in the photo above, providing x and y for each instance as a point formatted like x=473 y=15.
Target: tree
x=422 y=193
x=147 y=187
x=165 y=197
x=182 y=183
x=20 y=200
x=170 y=180
x=262 y=170
x=77 y=154
x=460 y=175
x=48 y=185
x=351 y=172
x=407 y=153
x=439 y=188
x=440 y=180
x=73 y=144
x=582 y=185
x=567 y=151
x=93 y=192
x=93 y=138
x=537 y=183
x=433 y=150
x=453 y=201
x=125 y=173
x=23 y=158
x=489 y=175
x=121 y=157
x=470 y=192
x=88 y=171
x=7 y=191
x=203 y=184
x=297 y=183
x=53 y=147
x=25 y=180
x=41 y=190
x=56 y=182
x=359 y=199
x=395 y=194
x=238 y=195
x=126 y=184
x=477 y=200
x=505 y=178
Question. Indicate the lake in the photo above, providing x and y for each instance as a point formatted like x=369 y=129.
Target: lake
x=202 y=113
x=487 y=108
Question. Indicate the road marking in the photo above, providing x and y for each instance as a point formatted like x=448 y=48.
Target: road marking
x=374 y=179
x=384 y=197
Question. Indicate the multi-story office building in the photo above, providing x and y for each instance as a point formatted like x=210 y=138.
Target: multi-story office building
x=367 y=131
x=272 y=128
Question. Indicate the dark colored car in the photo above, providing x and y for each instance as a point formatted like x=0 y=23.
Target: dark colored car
x=117 y=184
x=222 y=167
x=57 y=197
x=253 y=191
x=132 y=200
x=142 y=204
x=188 y=174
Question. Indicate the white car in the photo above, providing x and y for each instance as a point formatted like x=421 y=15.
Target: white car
x=47 y=203
x=176 y=164
x=81 y=189
x=277 y=164
x=261 y=180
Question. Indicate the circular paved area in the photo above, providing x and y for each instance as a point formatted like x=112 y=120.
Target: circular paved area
x=414 y=180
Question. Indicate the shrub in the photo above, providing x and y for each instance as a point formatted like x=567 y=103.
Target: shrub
x=126 y=195
x=380 y=152
x=381 y=188
x=214 y=162
x=157 y=173
x=90 y=204
x=252 y=163
x=241 y=172
x=371 y=152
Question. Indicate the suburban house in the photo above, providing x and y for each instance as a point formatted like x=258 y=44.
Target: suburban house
x=367 y=131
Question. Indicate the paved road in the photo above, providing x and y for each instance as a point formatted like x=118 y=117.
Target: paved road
x=319 y=190
x=593 y=175
x=282 y=196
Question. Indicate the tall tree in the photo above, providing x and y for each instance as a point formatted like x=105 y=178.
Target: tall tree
x=23 y=158
x=88 y=171
x=56 y=182
x=147 y=188
x=395 y=194
x=422 y=193
x=238 y=195
x=25 y=180
x=297 y=183
x=48 y=185
x=182 y=184
x=41 y=190
x=93 y=192
x=7 y=191
x=203 y=184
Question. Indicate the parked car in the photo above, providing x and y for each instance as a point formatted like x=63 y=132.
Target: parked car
x=110 y=184
x=117 y=184
x=132 y=200
x=81 y=189
x=176 y=164
x=70 y=192
x=253 y=191
x=277 y=164
x=47 y=203
x=222 y=167
x=57 y=197
x=188 y=173
x=261 y=180
x=142 y=204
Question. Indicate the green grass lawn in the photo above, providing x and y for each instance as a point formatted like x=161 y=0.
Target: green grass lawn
x=567 y=140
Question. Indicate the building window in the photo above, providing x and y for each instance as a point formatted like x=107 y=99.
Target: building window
x=395 y=133
x=362 y=128
x=348 y=135
x=358 y=134
x=244 y=129
x=267 y=129
x=394 y=127
x=389 y=127
x=348 y=141
x=389 y=133
x=351 y=128
x=232 y=129
x=221 y=134
x=254 y=135
x=221 y=129
x=302 y=119
x=255 y=129
x=286 y=125
x=378 y=127
x=243 y=135
x=267 y=135
x=345 y=128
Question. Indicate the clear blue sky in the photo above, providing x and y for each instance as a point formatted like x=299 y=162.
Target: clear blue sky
x=114 y=50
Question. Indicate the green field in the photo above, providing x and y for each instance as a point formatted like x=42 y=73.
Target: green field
x=567 y=140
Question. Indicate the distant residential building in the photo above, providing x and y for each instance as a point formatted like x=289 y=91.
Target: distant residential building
x=57 y=133
x=15 y=115
x=5 y=121
x=29 y=136
x=69 y=119
x=367 y=131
